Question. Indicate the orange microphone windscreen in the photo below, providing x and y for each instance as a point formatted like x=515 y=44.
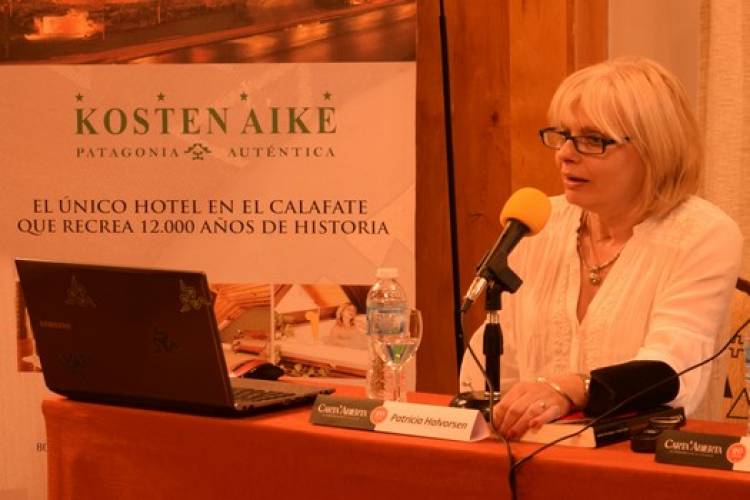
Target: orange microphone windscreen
x=528 y=206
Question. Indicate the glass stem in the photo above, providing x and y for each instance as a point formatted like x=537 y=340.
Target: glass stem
x=397 y=391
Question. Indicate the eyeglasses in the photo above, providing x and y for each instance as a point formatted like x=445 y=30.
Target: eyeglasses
x=584 y=144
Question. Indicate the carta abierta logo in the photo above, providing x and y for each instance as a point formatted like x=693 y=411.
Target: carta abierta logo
x=149 y=125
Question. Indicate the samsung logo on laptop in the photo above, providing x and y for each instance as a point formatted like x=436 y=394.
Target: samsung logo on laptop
x=55 y=325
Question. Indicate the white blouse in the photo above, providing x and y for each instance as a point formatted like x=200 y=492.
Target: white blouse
x=666 y=298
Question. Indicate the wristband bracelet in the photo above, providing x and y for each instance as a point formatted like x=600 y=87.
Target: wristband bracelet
x=556 y=387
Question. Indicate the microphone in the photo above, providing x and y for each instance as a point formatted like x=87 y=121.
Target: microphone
x=525 y=214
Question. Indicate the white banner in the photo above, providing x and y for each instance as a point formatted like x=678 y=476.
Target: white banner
x=285 y=183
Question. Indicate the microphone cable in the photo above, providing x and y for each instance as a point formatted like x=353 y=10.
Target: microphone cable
x=516 y=465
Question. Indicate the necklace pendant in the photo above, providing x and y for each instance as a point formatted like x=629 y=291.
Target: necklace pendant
x=594 y=278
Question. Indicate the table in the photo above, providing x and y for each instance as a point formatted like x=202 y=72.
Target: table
x=106 y=452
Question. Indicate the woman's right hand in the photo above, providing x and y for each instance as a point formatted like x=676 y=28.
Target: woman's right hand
x=528 y=405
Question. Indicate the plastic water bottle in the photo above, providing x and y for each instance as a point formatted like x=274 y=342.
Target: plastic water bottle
x=386 y=314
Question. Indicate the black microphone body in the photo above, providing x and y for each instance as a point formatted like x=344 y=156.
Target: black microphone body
x=514 y=231
x=494 y=266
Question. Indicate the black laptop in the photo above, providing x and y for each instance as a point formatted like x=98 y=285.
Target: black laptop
x=139 y=337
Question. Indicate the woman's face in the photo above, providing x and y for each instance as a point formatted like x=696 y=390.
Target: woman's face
x=609 y=184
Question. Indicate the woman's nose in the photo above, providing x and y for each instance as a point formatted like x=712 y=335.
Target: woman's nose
x=567 y=152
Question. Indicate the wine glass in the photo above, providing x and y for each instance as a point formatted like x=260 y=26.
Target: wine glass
x=395 y=349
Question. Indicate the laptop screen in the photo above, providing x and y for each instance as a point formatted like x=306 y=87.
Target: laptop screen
x=126 y=335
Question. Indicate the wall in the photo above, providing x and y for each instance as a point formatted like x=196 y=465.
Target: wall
x=666 y=30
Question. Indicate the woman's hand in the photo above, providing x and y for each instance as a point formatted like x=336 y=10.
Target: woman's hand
x=531 y=404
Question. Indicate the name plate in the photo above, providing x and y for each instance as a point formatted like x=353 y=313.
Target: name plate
x=704 y=450
x=412 y=419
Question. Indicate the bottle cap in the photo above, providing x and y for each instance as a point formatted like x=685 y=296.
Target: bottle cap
x=386 y=273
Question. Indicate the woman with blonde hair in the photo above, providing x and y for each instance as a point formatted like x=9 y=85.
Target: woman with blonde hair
x=631 y=279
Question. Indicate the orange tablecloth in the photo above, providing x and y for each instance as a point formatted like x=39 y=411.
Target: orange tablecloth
x=100 y=452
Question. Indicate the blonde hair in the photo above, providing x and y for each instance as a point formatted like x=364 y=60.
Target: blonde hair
x=340 y=313
x=638 y=100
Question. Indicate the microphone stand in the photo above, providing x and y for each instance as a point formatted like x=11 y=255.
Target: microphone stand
x=503 y=279
x=493 y=340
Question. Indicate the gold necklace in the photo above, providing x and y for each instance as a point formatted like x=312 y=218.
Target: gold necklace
x=594 y=276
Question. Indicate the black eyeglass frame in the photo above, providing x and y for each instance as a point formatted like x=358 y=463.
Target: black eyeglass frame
x=605 y=141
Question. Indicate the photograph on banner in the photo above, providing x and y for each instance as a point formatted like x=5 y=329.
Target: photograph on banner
x=321 y=330
x=203 y=31
x=243 y=317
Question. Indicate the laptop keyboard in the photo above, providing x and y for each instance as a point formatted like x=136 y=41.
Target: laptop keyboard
x=245 y=395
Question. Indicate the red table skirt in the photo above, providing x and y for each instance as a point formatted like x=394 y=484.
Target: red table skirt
x=101 y=452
